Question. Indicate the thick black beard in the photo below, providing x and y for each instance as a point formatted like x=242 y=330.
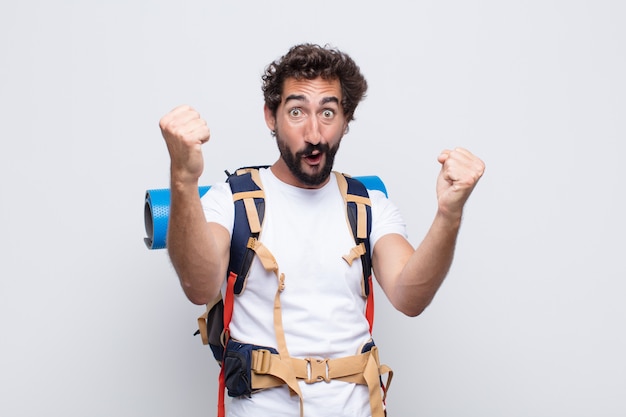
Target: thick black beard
x=293 y=161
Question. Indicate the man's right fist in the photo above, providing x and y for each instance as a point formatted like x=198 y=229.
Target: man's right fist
x=184 y=132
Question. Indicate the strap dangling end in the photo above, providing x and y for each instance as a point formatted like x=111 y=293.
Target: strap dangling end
x=355 y=252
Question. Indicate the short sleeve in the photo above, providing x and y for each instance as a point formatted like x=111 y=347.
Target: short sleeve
x=386 y=218
x=218 y=206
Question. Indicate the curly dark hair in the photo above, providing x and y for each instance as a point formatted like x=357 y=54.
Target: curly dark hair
x=309 y=61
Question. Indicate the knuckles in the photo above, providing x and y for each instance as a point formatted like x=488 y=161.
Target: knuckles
x=184 y=124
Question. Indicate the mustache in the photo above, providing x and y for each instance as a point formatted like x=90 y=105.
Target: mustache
x=310 y=149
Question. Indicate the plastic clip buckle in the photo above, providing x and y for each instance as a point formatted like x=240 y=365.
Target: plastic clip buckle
x=317 y=370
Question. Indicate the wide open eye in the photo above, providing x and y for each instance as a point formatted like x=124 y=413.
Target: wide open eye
x=295 y=112
x=328 y=114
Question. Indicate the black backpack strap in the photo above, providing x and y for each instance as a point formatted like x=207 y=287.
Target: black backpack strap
x=249 y=200
x=359 y=213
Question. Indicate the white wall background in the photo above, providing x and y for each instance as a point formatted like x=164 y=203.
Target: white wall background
x=531 y=320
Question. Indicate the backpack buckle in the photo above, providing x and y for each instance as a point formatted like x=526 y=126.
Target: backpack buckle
x=317 y=370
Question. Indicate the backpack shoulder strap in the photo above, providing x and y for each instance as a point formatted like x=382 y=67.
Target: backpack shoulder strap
x=249 y=201
x=359 y=214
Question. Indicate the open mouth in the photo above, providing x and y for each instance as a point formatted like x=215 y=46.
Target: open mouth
x=314 y=159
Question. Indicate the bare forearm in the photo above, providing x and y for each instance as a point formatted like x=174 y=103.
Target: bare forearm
x=427 y=267
x=192 y=246
x=198 y=250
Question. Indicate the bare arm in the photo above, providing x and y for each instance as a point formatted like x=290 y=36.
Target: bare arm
x=198 y=250
x=410 y=278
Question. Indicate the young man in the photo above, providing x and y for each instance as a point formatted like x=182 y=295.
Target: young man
x=311 y=94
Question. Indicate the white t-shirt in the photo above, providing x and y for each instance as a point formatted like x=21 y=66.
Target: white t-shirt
x=322 y=307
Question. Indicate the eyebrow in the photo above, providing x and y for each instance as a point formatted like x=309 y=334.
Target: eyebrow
x=300 y=97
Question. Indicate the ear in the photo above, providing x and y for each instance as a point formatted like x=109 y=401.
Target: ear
x=270 y=120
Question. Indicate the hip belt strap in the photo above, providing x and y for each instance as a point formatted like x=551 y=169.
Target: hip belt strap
x=270 y=370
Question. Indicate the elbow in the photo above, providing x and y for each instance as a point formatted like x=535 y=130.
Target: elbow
x=197 y=299
x=198 y=296
x=413 y=309
x=199 y=288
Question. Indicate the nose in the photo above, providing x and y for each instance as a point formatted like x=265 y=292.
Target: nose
x=312 y=133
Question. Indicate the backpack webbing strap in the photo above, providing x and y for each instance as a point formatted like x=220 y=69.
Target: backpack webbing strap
x=365 y=369
x=285 y=370
x=248 y=198
x=228 y=314
x=288 y=375
x=359 y=213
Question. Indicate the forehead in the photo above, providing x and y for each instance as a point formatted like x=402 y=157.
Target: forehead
x=312 y=90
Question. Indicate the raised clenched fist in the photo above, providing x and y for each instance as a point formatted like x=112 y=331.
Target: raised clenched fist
x=460 y=172
x=185 y=132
